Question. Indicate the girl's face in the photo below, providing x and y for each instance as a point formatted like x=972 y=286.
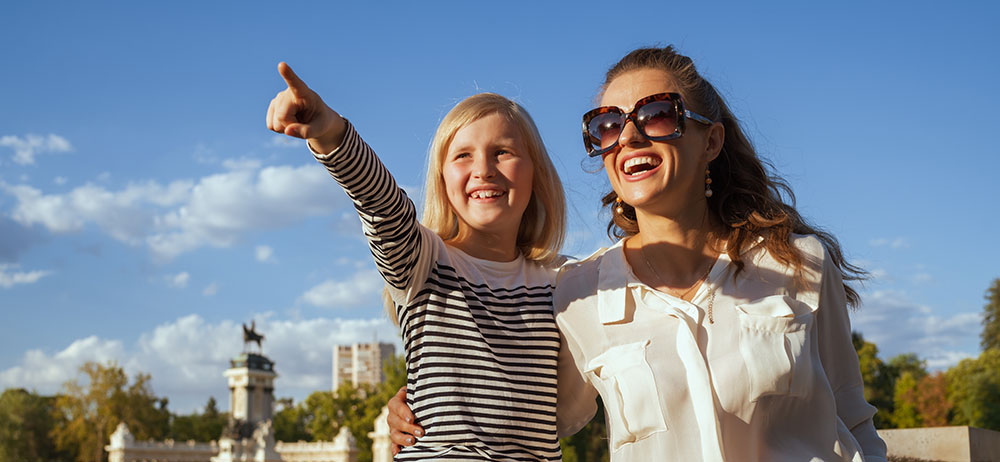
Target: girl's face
x=488 y=176
x=660 y=177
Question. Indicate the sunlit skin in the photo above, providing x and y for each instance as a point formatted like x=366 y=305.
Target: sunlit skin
x=669 y=199
x=488 y=178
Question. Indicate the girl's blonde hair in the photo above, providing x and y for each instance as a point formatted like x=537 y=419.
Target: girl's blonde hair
x=543 y=225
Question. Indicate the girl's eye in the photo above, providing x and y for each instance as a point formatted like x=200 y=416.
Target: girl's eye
x=461 y=155
x=504 y=152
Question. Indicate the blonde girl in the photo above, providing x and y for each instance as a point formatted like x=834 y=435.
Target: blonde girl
x=471 y=288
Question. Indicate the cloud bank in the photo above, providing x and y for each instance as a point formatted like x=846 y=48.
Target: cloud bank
x=187 y=357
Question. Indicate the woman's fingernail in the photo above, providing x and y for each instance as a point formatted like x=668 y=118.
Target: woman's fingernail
x=419 y=432
x=407 y=419
x=409 y=440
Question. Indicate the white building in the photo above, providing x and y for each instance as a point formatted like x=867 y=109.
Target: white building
x=360 y=363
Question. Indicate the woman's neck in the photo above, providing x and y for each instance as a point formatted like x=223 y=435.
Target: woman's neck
x=674 y=250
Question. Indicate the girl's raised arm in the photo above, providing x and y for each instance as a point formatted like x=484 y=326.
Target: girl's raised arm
x=300 y=112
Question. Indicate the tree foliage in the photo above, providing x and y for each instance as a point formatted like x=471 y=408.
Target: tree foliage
x=974 y=389
x=94 y=408
x=323 y=413
x=990 y=336
x=204 y=426
x=25 y=422
x=933 y=404
x=878 y=379
x=590 y=443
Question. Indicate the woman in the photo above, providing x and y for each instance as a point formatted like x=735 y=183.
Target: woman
x=472 y=289
x=717 y=327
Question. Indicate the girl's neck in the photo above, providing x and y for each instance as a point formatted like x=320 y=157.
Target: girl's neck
x=487 y=246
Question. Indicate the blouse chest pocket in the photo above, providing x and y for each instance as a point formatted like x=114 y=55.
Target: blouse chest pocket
x=630 y=395
x=775 y=345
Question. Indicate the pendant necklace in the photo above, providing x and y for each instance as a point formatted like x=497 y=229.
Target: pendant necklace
x=711 y=298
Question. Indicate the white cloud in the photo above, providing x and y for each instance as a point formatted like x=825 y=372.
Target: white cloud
x=362 y=289
x=184 y=215
x=10 y=278
x=224 y=205
x=898 y=325
x=46 y=373
x=242 y=163
x=264 y=254
x=894 y=243
x=210 y=290
x=282 y=141
x=25 y=148
x=60 y=180
x=179 y=280
x=188 y=356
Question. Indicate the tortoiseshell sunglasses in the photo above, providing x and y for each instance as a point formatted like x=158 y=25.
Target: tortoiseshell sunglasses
x=658 y=117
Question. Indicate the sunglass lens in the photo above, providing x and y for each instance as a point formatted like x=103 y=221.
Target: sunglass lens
x=658 y=118
x=604 y=129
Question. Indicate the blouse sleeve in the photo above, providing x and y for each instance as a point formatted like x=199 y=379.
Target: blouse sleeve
x=388 y=217
x=840 y=362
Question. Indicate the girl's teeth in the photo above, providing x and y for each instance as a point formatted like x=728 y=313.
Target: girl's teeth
x=485 y=194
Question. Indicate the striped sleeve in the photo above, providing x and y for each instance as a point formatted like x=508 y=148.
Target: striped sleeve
x=388 y=217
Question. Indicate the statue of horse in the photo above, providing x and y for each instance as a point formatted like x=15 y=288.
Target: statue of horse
x=251 y=335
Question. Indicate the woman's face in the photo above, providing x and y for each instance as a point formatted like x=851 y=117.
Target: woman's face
x=659 y=177
x=488 y=176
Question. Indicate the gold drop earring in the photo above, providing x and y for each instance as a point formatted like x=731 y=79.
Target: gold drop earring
x=618 y=206
x=708 y=182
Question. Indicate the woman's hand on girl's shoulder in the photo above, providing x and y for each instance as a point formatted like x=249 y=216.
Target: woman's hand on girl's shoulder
x=403 y=431
x=300 y=112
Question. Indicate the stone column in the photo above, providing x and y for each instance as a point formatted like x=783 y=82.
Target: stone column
x=345 y=448
x=381 y=445
x=121 y=439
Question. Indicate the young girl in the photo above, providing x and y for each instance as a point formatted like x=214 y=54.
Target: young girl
x=472 y=288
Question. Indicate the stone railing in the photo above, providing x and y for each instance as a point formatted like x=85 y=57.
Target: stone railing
x=124 y=448
x=942 y=444
x=343 y=448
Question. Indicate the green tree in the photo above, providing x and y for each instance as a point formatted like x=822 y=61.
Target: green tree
x=324 y=412
x=974 y=389
x=590 y=443
x=879 y=380
x=206 y=426
x=26 y=419
x=904 y=413
x=93 y=410
x=990 y=336
x=289 y=422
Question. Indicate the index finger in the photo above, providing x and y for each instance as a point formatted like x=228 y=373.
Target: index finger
x=293 y=81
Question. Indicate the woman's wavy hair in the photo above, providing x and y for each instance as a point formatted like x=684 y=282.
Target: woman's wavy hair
x=543 y=224
x=748 y=199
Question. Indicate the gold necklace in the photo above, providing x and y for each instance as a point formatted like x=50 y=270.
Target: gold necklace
x=711 y=299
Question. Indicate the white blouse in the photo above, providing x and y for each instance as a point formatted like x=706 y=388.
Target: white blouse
x=774 y=376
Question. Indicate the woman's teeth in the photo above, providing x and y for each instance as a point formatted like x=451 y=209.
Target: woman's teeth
x=640 y=164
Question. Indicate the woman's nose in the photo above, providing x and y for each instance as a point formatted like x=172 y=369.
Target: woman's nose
x=629 y=134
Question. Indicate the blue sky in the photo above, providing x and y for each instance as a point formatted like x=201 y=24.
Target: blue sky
x=145 y=210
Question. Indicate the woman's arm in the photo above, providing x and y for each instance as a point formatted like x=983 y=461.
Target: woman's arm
x=840 y=363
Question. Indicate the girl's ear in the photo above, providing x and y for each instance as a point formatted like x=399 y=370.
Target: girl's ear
x=715 y=137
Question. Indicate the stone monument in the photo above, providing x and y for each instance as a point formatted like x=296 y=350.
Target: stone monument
x=248 y=436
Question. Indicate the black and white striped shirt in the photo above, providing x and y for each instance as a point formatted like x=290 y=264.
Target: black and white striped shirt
x=481 y=343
